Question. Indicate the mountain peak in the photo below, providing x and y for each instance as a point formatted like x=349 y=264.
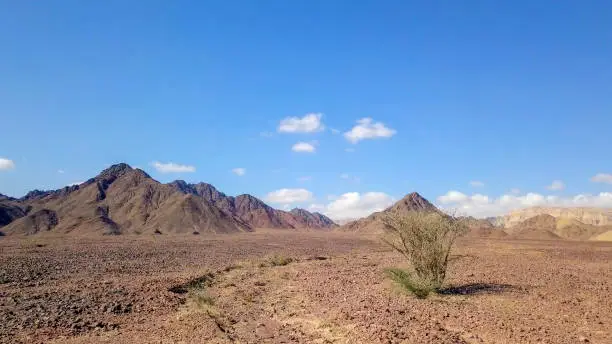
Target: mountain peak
x=374 y=223
x=116 y=170
x=413 y=201
x=414 y=196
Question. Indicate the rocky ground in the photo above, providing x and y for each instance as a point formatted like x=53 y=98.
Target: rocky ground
x=296 y=287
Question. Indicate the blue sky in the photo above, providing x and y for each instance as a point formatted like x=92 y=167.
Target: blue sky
x=513 y=95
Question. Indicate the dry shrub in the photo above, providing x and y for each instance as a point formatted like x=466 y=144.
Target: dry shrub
x=276 y=260
x=425 y=239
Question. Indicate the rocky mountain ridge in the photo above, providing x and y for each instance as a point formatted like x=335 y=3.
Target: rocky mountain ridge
x=254 y=211
x=122 y=199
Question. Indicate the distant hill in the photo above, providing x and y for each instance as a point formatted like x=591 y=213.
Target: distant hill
x=587 y=216
x=482 y=228
x=122 y=199
x=373 y=223
x=540 y=227
x=546 y=226
x=10 y=210
x=255 y=212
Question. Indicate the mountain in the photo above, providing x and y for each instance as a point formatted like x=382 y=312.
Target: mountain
x=374 y=222
x=122 y=199
x=255 y=212
x=588 y=216
x=307 y=219
x=5 y=198
x=482 y=228
x=538 y=227
x=545 y=226
x=10 y=210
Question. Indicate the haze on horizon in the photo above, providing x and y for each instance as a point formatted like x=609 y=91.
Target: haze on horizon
x=337 y=107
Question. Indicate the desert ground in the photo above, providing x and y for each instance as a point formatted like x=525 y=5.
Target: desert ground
x=276 y=286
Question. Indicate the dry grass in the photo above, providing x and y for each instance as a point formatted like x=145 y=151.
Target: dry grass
x=407 y=282
x=276 y=260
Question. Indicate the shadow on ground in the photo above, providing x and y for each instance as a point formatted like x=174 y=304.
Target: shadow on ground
x=478 y=288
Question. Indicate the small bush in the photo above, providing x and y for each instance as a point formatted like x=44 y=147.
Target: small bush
x=201 y=282
x=425 y=239
x=198 y=283
x=277 y=260
x=281 y=261
x=197 y=294
x=407 y=282
x=201 y=299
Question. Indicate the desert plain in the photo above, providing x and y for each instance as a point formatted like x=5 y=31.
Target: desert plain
x=284 y=286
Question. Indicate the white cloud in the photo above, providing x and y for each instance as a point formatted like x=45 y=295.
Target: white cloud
x=316 y=207
x=479 y=205
x=480 y=199
x=171 y=167
x=515 y=191
x=335 y=131
x=602 y=178
x=366 y=128
x=452 y=197
x=310 y=123
x=6 y=164
x=353 y=205
x=266 y=134
x=75 y=183
x=304 y=179
x=476 y=184
x=61 y=171
x=239 y=171
x=288 y=196
x=304 y=147
x=557 y=185
x=349 y=150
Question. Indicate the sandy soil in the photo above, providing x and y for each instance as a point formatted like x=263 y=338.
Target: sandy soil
x=235 y=289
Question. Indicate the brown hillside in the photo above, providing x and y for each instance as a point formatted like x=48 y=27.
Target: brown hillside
x=253 y=211
x=546 y=226
x=589 y=216
x=482 y=228
x=576 y=230
x=126 y=200
x=38 y=221
x=540 y=227
x=307 y=219
x=121 y=200
x=10 y=210
x=373 y=224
